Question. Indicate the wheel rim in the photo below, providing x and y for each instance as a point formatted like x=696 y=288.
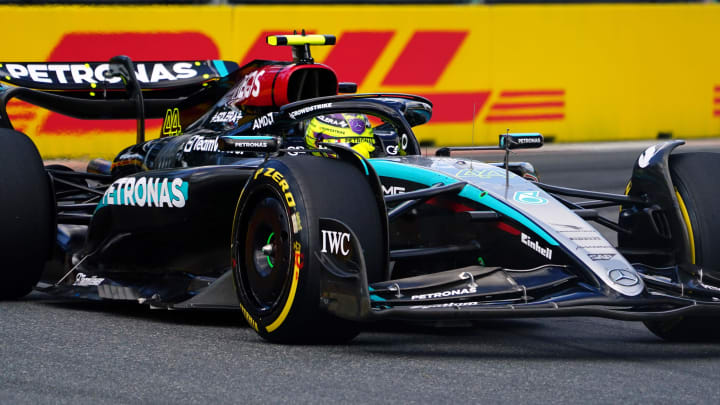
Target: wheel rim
x=267 y=258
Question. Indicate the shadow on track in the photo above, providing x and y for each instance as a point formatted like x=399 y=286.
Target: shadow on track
x=134 y=310
x=537 y=340
x=532 y=340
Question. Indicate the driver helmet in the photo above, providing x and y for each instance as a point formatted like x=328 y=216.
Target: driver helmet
x=351 y=129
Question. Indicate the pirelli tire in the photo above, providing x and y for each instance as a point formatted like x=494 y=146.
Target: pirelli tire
x=275 y=234
x=698 y=191
x=26 y=215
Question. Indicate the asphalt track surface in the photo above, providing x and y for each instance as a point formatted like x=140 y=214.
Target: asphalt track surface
x=59 y=351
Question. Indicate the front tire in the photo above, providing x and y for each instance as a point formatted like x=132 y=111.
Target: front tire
x=276 y=234
x=697 y=190
x=26 y=215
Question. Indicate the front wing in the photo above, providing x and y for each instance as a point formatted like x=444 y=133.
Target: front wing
x=478 y=292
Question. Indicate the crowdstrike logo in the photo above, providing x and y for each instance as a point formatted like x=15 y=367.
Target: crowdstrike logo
x=308 y=109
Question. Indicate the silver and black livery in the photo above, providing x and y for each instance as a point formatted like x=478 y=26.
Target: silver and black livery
x=229 y=209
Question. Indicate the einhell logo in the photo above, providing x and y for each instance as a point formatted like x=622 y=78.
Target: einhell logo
x=716 y=102
x=535 y=245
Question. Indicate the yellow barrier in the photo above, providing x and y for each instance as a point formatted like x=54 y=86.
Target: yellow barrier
x=576 y=73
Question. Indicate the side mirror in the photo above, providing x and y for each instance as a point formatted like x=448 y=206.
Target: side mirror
x=260 y=144
x=347 y=87
x=521 y=141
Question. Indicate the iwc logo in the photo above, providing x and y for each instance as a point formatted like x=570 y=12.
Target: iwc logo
x=623 y=277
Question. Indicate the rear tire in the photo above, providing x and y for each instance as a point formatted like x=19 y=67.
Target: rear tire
x=26 y=215
x=279 y=211
x=693 y=175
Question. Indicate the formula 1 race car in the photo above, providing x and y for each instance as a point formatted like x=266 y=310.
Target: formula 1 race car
x=234 y=208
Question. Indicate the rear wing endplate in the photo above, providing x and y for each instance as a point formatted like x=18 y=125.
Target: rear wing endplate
x=113 y=90
x=83 y=78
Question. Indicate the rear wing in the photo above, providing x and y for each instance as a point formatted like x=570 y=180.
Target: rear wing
x=88 y=79
x=114 y=90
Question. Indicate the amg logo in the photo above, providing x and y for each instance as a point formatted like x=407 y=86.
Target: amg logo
x=547 y=252
x=337 y=242
x=392 y=190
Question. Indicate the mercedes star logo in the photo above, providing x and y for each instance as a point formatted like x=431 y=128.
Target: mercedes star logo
x=623 y=277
